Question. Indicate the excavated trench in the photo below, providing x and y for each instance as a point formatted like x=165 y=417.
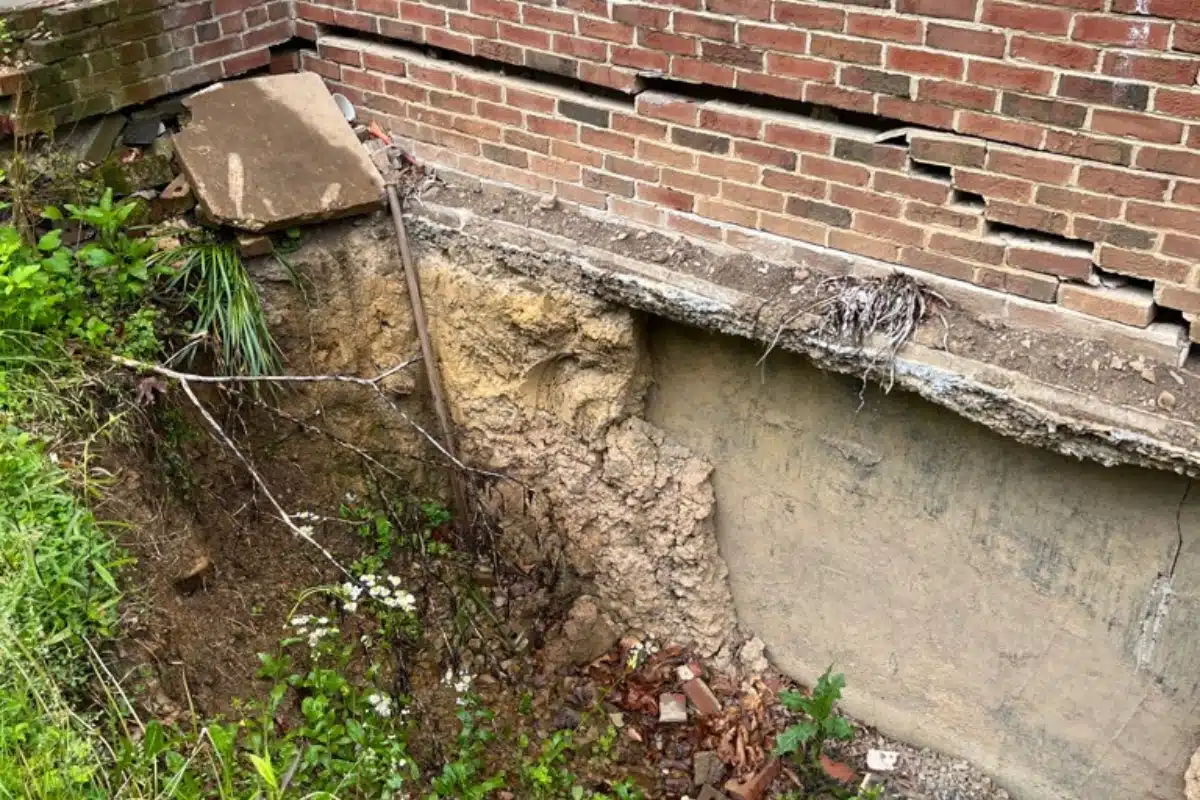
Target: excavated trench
x=1011 y=606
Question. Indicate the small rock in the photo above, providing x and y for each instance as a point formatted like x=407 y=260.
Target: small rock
x=587 y=634
x=1147 y=374
x=756 y=788
x=882 y=760
x=617 y=719
x=702 y=697
x=684 y=673
x=1166 y=401
x=548 y=203
x=1191 y=778
x=1116 y=362
x=634 y=733
x=142 y=132
x=567 y=718
x=175 y=199
x=1175 y=376
x=838 y=770
x=751 y=656
x=252 y=246
x=195 y=577
x=707 y=768
x=672 y=707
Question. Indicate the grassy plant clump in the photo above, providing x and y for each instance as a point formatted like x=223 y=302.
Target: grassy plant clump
x=56 y=592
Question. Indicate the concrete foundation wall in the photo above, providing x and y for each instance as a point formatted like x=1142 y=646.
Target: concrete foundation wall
x=996 y=601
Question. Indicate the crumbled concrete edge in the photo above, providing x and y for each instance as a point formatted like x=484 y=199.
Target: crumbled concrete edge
x=1032 y=412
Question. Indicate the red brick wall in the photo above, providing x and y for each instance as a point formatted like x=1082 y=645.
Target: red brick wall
x=94 y=58
x=938 y=202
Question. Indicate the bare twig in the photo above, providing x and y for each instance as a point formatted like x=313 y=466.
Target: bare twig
x=372 y=383
x=284 y=517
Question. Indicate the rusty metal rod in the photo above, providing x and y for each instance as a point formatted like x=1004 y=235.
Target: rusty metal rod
x=433 y=373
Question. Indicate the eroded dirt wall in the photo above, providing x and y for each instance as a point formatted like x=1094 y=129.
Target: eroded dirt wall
x=546 y=385
x=995 y=601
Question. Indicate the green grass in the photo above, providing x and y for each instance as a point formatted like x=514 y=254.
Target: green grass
x=56 y=591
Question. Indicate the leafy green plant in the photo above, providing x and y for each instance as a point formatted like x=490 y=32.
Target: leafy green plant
x=804 y=741
x=463 y=777
x=229 y=313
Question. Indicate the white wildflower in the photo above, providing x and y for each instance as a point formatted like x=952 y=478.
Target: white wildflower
x=368 y=579
x=300 y=620
x=381 y=703
x=394 y=580
x=350 y=607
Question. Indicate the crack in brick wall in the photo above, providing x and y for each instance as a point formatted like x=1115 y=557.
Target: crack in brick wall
x=1051 y=153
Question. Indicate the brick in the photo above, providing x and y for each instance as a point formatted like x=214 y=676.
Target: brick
x=1120 y=32
x=1175 y=162
x=1111 y=93
x=1053 y=112
x=693 y=227
x=638 y=16
x=962 y=95
x=1187 y=38
x=865 y=201
x=929 y=191
x=809 y=16
x=922 y=113
x=833 y=170
x=1126 y=305
x=608 y=31
x=837 y=48
x=394 y=29
x=922 y=62
x=1049 y=21
x=631 y=168
x=525 y=37
x=669 y=156
x=876 y=155
x=697 y=71
x=839 y=98
x=795 y=184
x=1008 y=76
x=579 y=155
x=1031 y=285
x=943 y=217
x=988 y=185
x=1186 y=193
x=587 y=49
x=1000 y=129
x=743 y=126
x=725 y=212
x=1089 y=148
x=1142 y=265
x=1170 y=9
x=696 y=140
x=1021 y=216
x=609 y=184
x=766 y=155
x=796 y=67
x=1177 y=297
x=607 y=140
x=864 y=245
x=922 y=259
x=888 y=28
x=547 y=62
x=639 y=59
x=1025 y=165
x=770 y=84
x=750 y=196
x=668 y=42
x=768 y=37
x=1092 y=205
x=1053 y=53
x=645 y=213
x=589 y=115
x=987 y=252
x=820 y=212
x=1154 y=69
x=1137 y=126
x=705 y=27
x=952 y=9
x=1178 y=103
x=947 y=151
x=1062 y=261
x=890 y=229
x=1181 y=246
x=690 y=182
x=1156 y=216
x=965 y=40
x=875 y=81
x=670 y=198
x=1114 y=233
x=732 y=55
x=721 y=167
x=636 y=126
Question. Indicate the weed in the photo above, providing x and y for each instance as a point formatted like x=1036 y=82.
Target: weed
x=214 y=282
x=804 y=741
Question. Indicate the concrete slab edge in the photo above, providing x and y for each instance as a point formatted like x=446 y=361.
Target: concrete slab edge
x=1044 y=415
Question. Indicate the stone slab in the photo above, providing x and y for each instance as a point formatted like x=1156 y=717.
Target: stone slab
x=274 y=151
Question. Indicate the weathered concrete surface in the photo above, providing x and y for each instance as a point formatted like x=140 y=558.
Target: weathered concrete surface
x=983 y=597
x=270 y=152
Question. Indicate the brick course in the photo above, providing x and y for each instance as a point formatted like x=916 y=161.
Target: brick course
x=96 y=58
x=1005 y=218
